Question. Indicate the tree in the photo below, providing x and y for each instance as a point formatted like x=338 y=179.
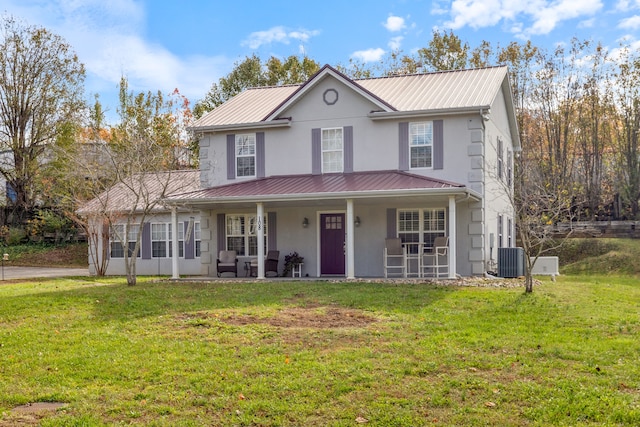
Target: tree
x=253 y=73
x=627 y=102
x=143 y=154
x=41 y=90
x=445 y=52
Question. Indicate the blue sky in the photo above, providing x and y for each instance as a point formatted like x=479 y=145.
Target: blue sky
x=190 y=44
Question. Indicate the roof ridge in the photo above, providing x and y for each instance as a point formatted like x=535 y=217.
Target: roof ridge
x=431 y=73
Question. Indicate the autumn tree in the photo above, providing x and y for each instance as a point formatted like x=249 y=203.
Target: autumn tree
x=142 y=157
x=41 y=91
x=445 y=51
x=252 y=72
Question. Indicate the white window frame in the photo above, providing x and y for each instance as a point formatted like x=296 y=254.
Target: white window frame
x=420 y=227
x=421 y=138
x=500 y=166
x=160 y=240
x=510 y=233
x=245 y=149
x=197 y=238
x=123 y=237
x=332 y=146
x=244 y=231
x=500 y=231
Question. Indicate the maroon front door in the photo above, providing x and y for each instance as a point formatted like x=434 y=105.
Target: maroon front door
x=332 y=233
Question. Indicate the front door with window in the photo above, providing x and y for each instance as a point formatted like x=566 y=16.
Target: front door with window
x=332 y=235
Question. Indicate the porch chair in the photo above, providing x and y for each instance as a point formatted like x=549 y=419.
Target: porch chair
x=270 y=264
x=227 y=262
x=394 y=257
x=436 y=258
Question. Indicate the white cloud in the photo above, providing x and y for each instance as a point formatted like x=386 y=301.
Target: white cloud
x=395 y=42
x=394 y=24
x=542 y=15
x=109 y=39
x=631 y=23
x=369 y=55
x=277 y=34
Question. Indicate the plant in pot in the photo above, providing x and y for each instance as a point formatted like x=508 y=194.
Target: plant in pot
x=289 y=261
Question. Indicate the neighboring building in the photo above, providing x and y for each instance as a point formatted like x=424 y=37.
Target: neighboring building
x=333 y=167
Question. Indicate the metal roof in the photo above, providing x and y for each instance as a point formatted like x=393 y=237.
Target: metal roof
x=142 y=191
x=291 y=187
x=416 y=92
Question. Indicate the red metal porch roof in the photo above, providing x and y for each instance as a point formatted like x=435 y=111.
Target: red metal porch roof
x=365 y=183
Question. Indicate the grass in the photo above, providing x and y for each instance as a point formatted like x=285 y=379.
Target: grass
x=240 y=354
x=47 y=255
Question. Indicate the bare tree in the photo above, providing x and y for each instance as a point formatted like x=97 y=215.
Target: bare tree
x=143 y=156
x=41 y=91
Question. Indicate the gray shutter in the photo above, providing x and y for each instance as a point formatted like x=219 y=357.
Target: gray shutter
x=222 y=239
x=189 y=244
x=403 y=146
x=391 y=223
x=438 y=144
x=231 y=156
x=146 y=241
x=260 y=172
x=316 y=151
x=348 y=149
x=272 y=241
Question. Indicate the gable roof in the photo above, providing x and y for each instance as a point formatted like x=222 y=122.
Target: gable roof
x=123 y=197
x=325 y=186
x=439 y=91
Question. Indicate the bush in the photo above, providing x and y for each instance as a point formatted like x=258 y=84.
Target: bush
x=13 y=235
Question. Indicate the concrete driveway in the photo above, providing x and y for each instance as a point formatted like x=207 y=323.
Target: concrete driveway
x=9 y=272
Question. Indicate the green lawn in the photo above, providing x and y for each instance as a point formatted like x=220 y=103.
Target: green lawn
x=321 y=353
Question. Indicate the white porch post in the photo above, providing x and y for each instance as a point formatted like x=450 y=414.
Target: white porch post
x=260 y=229
x=452 y=237
x=175 y=268
x=350 y=241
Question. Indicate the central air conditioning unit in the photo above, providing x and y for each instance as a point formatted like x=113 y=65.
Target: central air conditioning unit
x=510 y=262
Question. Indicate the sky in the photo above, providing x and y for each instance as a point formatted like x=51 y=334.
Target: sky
x=190 y=44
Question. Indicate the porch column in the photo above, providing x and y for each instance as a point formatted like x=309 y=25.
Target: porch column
x=175 y=268
x=350 y=241
x=260 y=229
x=452 y=237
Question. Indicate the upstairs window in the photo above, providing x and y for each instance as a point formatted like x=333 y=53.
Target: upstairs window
x=332 y=150
x=421 y=145
x=500 y=158
x=246 y=155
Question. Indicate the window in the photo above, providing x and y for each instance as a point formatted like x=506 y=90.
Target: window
x=421 y=144
x=197 y=237
x=242 y=237
x=117 y=236
x=509 y=167
x=246 y=155
x=500 y=159
x=159 y=240
x=132 y=238
x=421 y=227
x=500 y=231
x=332 y=150
x=509 y=233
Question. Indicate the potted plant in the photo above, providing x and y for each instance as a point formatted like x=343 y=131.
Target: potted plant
x=289 y=261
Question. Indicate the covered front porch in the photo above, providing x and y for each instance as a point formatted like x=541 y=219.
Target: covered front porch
x=340 y=232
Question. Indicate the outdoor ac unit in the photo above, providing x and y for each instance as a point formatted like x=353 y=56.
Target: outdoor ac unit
x=510 y=262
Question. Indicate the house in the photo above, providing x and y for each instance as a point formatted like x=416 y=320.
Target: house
x=133 y=209
x=332 y=167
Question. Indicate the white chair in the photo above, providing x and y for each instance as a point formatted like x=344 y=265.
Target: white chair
x=435 y=261
x=227 y=263
x=394 y=257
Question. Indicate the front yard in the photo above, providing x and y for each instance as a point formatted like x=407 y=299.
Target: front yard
x=319 y=353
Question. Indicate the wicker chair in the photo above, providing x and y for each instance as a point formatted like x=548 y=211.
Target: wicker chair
x=227 y=263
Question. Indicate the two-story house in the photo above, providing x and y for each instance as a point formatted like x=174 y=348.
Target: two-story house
x=333 y=167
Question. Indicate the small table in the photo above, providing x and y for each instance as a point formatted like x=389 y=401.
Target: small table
x=296 y=269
